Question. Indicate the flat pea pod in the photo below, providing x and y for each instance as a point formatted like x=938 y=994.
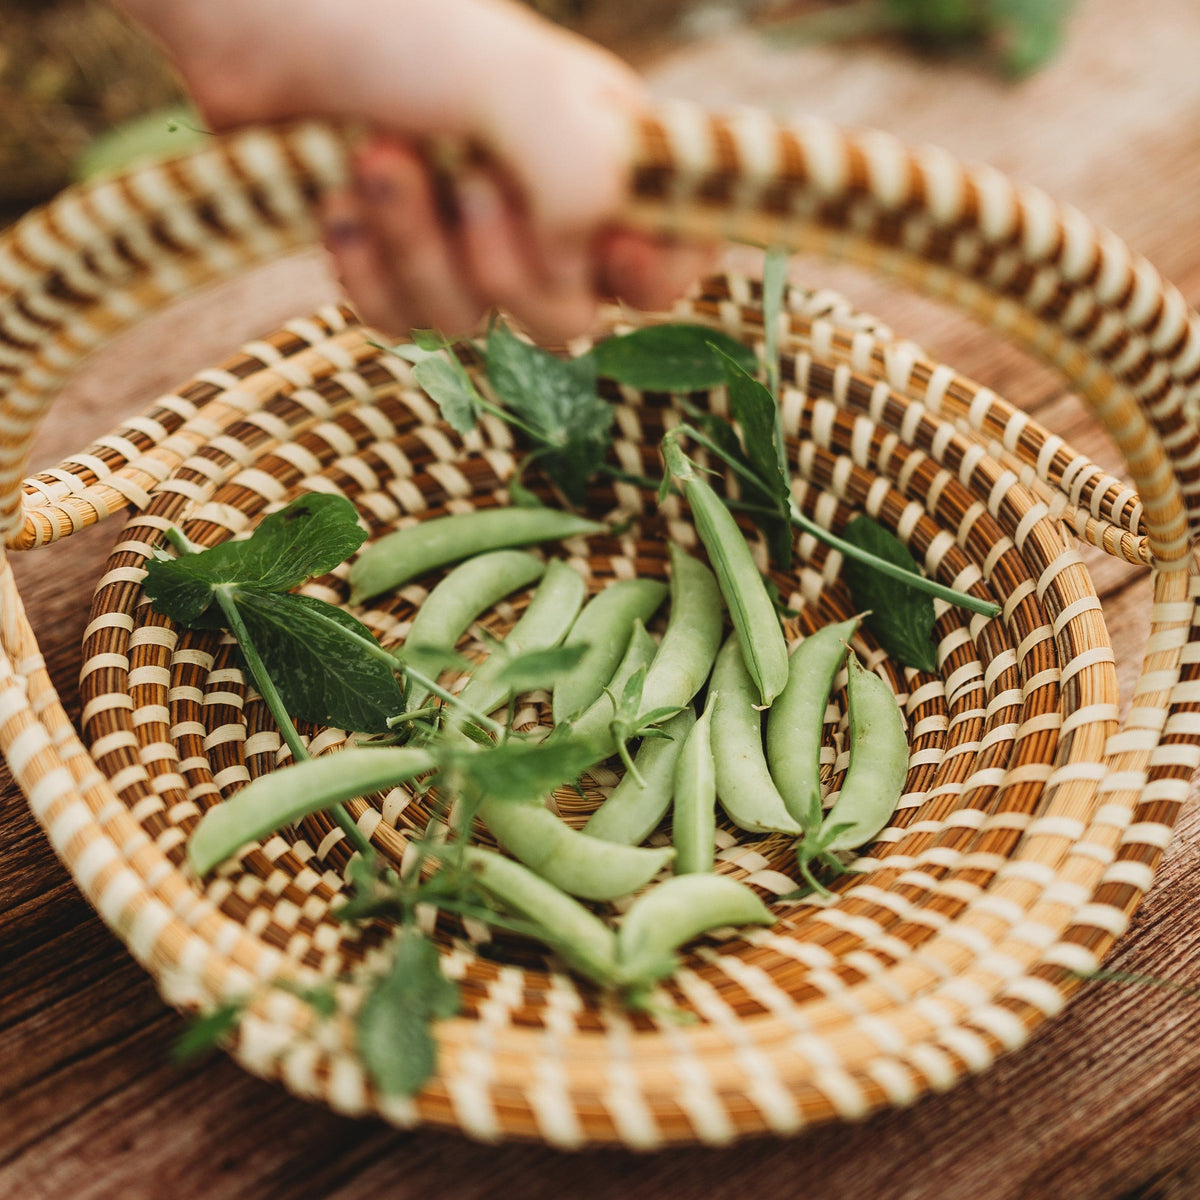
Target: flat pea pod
x=467 y=592
x=754 y=617
x=744 y=785
x=395 y=559
x=580 y=938
x=593 y=723
x=694 y=813
x=604 y=627
x=633 y=810
x=581 y=865
x=874 y=780
x=543 y=624
x=692 y=638
x=796 y=721
x=285 y=796
x=674 y=912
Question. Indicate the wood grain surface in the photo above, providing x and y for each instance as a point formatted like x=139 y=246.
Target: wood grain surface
x=1103 y=1104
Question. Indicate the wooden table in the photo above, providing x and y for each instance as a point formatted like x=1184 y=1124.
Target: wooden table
x=1104 y=1104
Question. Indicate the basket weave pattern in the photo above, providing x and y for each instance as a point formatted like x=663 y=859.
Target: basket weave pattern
x=1030 y=827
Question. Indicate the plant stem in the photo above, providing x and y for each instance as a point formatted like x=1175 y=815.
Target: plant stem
x=909 y=578
x=270 y=694
x=642 y=481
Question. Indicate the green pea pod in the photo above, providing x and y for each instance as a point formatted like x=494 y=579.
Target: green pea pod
x=407 y=553
x=796 y=721
x=283 y=797
x=874 y=780
x=580 y=938
x=692 y=638
x=673 y=913
x=694 y=819
x=744 y=785
x=633 y=810
x=754 y=617
x=584 y=866
x=541 y=626
x=467 y=592
x=593 y=723
x=604 y=627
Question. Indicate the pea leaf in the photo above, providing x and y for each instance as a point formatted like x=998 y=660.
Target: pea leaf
x=311 y=535
x=518 y=770
x=452 y=390
x=557 y=398
x=315 y=656
x=757 y=415
x=754 y=410
x=539 y=668
x=395 y=1041
x=206 y=1032
x=669 y=358
x=902 y=618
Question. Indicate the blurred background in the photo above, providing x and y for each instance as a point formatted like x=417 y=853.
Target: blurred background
x=81 y=89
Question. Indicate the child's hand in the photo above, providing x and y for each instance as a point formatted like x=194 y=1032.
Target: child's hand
x=530 y=232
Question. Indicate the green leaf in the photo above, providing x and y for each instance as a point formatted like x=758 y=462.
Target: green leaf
x=311 y=535
x=518 y=770
x=669 y=358
x=431 y=340
x=432 y=660
x=315 y=654
x=452 y=390
x=754 y=410
x=902 y=618
x=539 y=668
x=395 y=1041
x=320 y=997
x=206 y=1032
x=556 y=397
x=1028 y=32
x=519 y=496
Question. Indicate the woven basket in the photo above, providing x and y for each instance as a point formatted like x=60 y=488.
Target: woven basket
x=1030 y=827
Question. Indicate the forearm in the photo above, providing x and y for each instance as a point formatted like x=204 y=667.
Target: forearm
x=429 y=64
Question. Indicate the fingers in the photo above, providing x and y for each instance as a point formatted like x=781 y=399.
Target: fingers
x=394 y=254
x=550 y=293
x=406 y=264
x=649 y=272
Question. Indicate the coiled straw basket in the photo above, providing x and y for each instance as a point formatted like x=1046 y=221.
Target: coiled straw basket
x=1031 y=825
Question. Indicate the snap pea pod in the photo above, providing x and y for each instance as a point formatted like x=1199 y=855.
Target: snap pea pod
x=744 y=785
x=630 y=814
x=584 y=866
x=580 y=938
x=795 y=722
x=676 y=911
x=283 y=797
x=692 y=638
x=694 y=819
x=874 y=780
x=604 y=627
x=468 y=591
x=541 y=626
x=754 y=617
x=407 y=553
x=592 y=724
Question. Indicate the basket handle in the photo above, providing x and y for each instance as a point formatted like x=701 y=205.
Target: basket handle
x=101 y=255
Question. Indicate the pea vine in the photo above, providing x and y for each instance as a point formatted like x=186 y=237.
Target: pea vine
x=312 y=661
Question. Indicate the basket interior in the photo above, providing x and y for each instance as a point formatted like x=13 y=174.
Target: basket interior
x=999 y=735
